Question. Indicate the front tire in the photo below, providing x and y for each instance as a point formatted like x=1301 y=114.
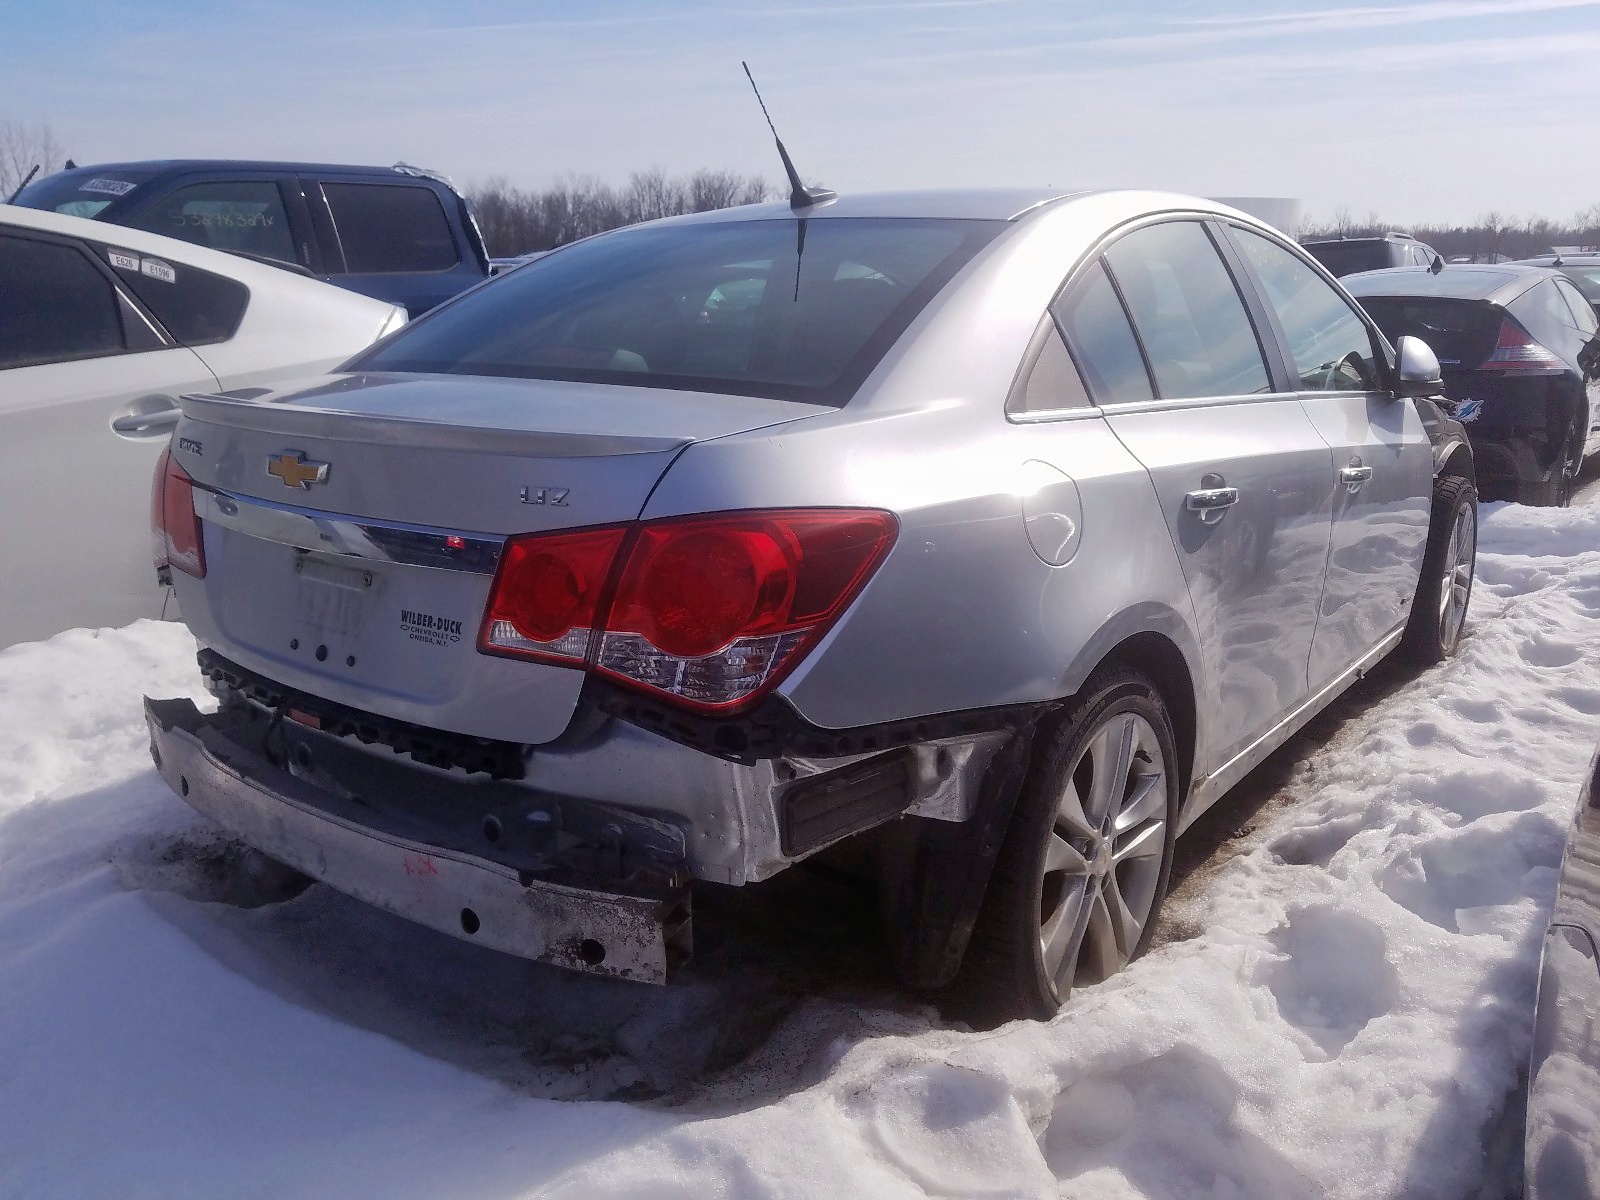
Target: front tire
x=1439 y=612
x=1084 y=866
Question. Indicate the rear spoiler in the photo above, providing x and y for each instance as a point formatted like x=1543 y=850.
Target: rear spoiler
x=298 y=420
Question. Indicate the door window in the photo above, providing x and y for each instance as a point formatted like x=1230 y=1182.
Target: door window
x=388 y=228
x=1331 y=346
x=54 y=305
x=237 y=215
x=1188 y=313
x=1096 y=327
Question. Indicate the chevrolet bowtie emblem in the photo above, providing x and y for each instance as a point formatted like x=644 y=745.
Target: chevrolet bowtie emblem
x=291 y=467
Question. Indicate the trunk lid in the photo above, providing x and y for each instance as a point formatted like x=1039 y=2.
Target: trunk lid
x=352 y=527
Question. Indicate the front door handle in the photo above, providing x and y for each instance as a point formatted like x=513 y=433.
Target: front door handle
x=1211 y=503
x=1354 y=476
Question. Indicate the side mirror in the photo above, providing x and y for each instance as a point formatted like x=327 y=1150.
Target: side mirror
x=1418 y=368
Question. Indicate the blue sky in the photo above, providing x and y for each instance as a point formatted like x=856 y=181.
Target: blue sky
x=1440 y=110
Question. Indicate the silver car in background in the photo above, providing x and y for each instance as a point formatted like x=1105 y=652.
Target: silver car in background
x=1005 y=531
x=101 y=330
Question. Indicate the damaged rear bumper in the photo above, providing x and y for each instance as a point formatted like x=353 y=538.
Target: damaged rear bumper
x=634 y=928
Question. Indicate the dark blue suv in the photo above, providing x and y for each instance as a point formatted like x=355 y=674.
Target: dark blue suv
x=399 y=233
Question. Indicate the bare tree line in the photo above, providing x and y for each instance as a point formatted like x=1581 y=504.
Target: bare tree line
x=23 y=147
x=515 y=220
x=1493 y=234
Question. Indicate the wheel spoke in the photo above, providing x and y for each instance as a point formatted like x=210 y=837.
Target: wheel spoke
x=1061 y=935
x=1062 y=855
x=1125 y=927
x=1099 y=958
x=1112 y=755
x=1142 y=843
x=1147 y=798
x=1070 y=817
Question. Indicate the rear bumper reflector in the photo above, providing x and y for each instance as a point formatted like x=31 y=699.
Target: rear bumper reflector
x=640 y=936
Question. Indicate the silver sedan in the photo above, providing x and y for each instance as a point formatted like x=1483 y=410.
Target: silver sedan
x=1001 y=531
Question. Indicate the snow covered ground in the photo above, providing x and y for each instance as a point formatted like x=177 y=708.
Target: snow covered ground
x=1339 y=1005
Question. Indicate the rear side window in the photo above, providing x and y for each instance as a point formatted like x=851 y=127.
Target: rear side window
x=236 y=215
x=1053 y=382
x=196 y=307
x=54 y=305
x=388 y=228
x=1188 y=313
x=1331 y=346
x=1102 y=341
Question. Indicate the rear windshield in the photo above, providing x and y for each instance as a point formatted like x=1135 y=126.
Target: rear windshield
x=742 y=307
x=81 y=193
x=1346 y=258
x=1461 y=332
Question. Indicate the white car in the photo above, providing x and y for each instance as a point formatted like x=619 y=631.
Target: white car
x=101 y=330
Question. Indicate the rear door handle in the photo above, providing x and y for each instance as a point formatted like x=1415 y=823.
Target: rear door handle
x=147 y=417
x=1354 y=476
x=1211 y=503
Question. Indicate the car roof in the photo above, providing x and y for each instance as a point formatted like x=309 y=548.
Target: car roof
x=1356 y=241
x=245 y=270
x=179 y=166
x=1567 y=260
x=1457 y=281
x=974 y=204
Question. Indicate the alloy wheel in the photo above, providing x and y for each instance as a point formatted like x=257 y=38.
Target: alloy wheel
x=1456 y=588
x=1103 y=862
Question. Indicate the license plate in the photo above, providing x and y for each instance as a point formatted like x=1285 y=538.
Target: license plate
x=332 y=598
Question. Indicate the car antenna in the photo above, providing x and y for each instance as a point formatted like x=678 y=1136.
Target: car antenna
x=801 y=198
x=70 y=166
x=26 y=179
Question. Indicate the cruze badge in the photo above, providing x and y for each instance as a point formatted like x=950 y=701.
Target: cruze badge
x=292 y=469
x=556 y=497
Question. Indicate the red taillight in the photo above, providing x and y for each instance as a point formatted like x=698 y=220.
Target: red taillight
x=1516 y=350
x=546 y=597
x=176 y=528
x=711 y=611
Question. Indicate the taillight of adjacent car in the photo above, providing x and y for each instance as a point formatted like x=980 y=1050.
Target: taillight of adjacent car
x=173 y=522
x=709 y=611
x=1515 y=350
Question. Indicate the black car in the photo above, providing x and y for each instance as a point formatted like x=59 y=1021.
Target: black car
x=401 y=233
x=1521 y=363
x=1346 y=256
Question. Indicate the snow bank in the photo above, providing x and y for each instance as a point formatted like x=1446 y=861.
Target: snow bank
x=1342 y=1009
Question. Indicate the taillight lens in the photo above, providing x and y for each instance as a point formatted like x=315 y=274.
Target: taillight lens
x=176 y=527
x=546 y=597
x=1515 y=349
x=711 y=611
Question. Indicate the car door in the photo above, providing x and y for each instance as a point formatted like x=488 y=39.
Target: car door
x=1382 y=454
x=1242 y=476
x=88 y=387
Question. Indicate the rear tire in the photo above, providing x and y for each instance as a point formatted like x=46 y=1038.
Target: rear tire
x=1556 y=492
x=1444 y=590
x=1084 y=866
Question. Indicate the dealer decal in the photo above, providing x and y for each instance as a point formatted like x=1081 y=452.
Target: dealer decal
x=433 y=628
